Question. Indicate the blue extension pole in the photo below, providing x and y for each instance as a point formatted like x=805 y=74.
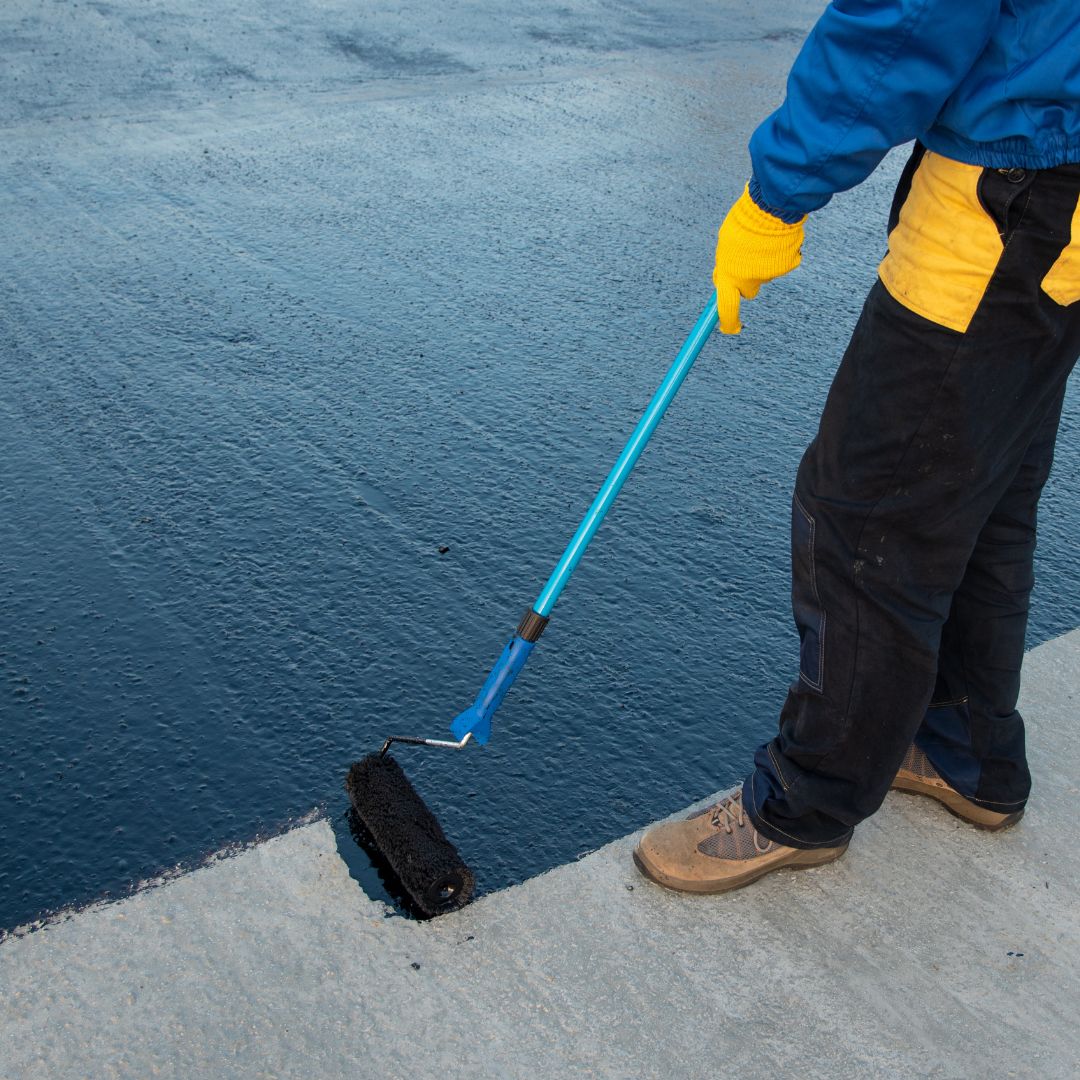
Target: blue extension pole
x=476 y=720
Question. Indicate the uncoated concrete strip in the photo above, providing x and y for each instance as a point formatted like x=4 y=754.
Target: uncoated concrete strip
x=931 y=949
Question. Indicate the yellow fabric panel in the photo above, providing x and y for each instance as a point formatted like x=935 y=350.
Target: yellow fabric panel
x=1062 y=283
x=945 y=248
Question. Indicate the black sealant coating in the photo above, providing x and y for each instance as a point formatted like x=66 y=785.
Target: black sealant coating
x=408 y=835
x=314 y=328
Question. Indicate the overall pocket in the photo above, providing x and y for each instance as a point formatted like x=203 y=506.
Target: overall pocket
x=945 y=246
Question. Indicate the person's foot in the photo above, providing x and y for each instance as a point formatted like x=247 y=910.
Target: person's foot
x=718 y=849
x=918 y=777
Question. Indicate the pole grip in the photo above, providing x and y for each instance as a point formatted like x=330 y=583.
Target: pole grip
x=476 y=719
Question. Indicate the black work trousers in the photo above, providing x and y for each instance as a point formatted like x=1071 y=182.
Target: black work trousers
x=913 y=528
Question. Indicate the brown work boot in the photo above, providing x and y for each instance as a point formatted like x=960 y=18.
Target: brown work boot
x=918 y=777
x=718 y=849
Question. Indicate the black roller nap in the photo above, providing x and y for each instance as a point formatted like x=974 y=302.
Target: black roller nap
x=407 y=835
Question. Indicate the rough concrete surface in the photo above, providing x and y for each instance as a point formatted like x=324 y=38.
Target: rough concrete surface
x=931 y=949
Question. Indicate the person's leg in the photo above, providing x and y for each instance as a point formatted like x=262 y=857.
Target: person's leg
x=925 y=432
x=961 y=352
x=972 y=734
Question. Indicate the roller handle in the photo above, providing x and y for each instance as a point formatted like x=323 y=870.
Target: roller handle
x=611 y=487
x=476 y=720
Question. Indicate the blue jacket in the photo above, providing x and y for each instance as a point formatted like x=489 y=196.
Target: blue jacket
x=986 y=82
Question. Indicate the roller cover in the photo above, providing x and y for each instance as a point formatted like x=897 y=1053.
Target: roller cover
x=408 y=836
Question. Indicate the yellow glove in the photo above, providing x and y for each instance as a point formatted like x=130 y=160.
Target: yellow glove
x=752 y=247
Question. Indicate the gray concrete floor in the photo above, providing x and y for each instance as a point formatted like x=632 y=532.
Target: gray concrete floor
x=931 y=949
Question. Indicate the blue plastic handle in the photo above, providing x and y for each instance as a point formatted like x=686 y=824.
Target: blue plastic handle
x=627 y=459
x=476 y=720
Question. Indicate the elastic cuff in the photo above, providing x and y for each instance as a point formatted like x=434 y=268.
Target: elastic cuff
x=788 y=217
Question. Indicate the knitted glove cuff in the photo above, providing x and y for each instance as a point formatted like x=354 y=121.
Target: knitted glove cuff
x=754 y=247
x=755 y=219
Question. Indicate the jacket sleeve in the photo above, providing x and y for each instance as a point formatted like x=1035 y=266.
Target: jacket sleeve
x=872 y=74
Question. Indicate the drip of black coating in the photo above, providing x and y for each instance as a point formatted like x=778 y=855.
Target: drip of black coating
x=407 y=835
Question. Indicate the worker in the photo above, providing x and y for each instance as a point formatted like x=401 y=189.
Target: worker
x=914 y=511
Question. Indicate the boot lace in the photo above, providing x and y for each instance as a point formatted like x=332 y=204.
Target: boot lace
x=728 y=813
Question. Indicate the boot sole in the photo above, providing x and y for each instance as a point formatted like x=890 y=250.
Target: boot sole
x=956 y=804
x=806 y=860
